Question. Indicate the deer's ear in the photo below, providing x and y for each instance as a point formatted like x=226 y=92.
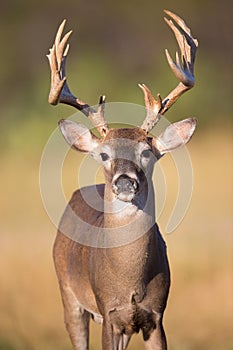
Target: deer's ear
x=78 y=136
x=175 y=135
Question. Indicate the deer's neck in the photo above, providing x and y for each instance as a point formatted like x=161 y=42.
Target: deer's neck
x=130 y=232
x=139 y=212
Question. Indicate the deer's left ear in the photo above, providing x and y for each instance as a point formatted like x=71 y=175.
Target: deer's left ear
x=175 y=135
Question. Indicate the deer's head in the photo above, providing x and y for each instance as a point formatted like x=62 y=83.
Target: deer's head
x=127 y=154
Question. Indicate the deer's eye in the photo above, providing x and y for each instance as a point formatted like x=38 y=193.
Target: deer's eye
x=146 y=153
x=104 y=156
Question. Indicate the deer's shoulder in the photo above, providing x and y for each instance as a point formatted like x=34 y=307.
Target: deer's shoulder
x=89 y=198
x=86 y=206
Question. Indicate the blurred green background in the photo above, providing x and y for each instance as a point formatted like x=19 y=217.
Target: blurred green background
x=115 y=46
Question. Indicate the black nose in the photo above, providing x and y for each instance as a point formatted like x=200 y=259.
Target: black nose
x=125 y=184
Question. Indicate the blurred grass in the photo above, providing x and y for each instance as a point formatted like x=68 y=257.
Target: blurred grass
x=199 y=312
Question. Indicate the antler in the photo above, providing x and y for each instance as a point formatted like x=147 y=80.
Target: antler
x=60 y=92
x=183 y=70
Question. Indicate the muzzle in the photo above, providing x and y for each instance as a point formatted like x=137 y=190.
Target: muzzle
x=125 y=188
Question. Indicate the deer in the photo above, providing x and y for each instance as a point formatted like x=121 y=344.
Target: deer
x=109 y=255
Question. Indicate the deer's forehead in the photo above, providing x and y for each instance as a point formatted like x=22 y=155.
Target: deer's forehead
x=133 y=134
x=125 y=141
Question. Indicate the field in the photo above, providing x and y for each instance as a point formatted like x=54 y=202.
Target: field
x=199 y=313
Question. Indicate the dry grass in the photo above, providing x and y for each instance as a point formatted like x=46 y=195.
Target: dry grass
x=199 y=312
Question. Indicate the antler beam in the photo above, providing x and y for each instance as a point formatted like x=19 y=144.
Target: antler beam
x=183 y=69
x=60 y=92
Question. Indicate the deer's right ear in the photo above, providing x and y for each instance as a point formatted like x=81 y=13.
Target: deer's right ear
x=78 y=136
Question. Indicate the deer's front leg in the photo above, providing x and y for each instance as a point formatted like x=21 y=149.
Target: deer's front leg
x=107 y=335
x=76 y=320
x=113 y=340
x=157 y=339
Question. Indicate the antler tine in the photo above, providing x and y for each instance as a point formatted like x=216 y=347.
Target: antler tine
x=97 y=118
x=61 y=44
x=188 y=47
x=153 y=107
x=183 y=70
x=181 y=23
x=60 y=92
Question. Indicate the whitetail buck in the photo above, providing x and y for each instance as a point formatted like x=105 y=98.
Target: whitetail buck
x=124 y=286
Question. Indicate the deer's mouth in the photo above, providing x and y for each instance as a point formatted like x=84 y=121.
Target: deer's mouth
x=125 y=188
